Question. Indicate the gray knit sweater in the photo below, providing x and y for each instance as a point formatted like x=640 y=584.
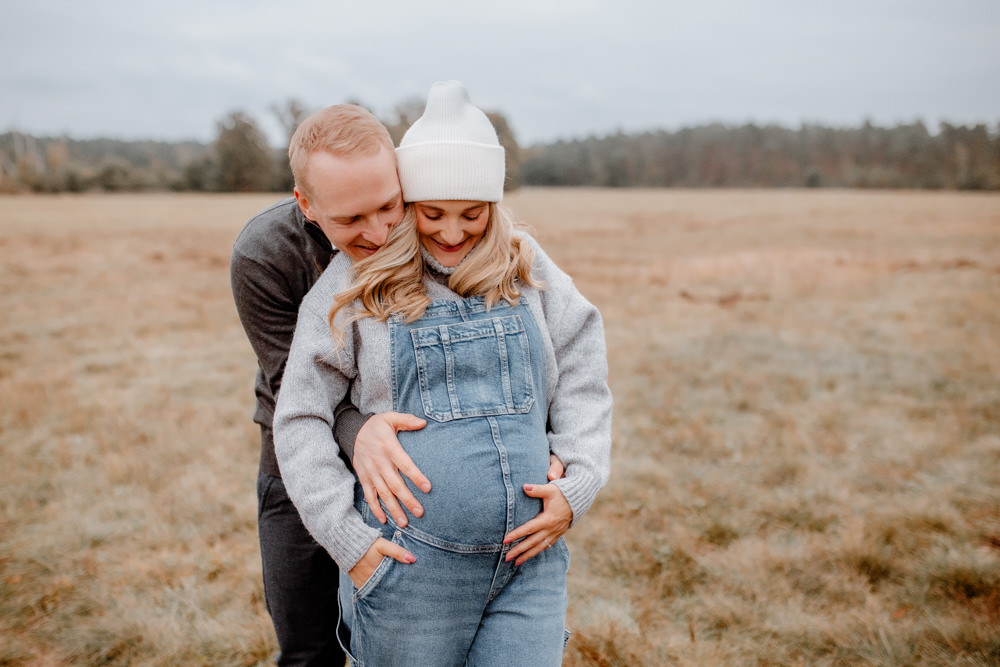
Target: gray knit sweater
x=319 y=374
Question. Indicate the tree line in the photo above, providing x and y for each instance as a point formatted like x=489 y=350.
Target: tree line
x=240 y=158
x=904 y=156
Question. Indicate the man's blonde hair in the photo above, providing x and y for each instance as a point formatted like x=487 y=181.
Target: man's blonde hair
x=345 y=130
x=392 y=280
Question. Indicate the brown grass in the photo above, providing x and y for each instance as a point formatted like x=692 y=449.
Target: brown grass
x=807 y=453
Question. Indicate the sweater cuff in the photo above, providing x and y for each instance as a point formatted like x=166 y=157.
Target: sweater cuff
x=347 y=423
x=580 y=492
x=351 y=544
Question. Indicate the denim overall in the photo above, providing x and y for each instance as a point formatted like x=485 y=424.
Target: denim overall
x=478 y=377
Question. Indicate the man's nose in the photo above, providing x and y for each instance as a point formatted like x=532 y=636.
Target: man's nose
x=378 y=230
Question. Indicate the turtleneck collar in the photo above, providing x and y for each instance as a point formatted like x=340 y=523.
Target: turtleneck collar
x=435 y=265
x=439 y=268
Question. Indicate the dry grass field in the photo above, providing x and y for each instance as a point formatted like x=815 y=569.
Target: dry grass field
x=807 y=422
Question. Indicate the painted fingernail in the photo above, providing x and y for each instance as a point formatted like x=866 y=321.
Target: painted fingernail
x=410 y=558
x=528 y=487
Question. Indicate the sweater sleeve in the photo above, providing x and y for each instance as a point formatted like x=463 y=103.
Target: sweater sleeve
x=581 y=406
x=317 y=377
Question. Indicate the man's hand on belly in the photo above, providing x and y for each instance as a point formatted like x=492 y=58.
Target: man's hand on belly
x=378 y=461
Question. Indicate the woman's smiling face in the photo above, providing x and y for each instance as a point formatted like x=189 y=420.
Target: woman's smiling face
x=450 y=229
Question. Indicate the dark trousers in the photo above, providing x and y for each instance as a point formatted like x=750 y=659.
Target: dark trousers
x=300 y=581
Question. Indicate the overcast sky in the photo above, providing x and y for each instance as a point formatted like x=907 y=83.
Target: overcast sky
x=555 y=68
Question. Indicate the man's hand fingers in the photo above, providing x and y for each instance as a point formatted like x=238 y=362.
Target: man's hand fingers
x=402 y=463
x=371 y=497
x=389 y=499
x=402 y=492
x=379 y=461
x=398 y=456
x=406 y=466
x=402 y=421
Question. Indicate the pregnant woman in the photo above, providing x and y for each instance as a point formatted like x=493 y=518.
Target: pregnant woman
x=462 y=319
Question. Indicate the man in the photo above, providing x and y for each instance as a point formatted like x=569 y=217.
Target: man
x=347 y=197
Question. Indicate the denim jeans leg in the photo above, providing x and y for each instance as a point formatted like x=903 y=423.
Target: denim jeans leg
x=424 y=613
x=300 y=582
x=531 y=605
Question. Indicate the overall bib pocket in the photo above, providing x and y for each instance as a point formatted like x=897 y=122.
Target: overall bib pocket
x=477 y=368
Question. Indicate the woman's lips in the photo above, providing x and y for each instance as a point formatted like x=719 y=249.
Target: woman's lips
x=450 y=248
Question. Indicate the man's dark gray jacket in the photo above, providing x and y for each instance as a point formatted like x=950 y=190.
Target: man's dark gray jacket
x=276 y=259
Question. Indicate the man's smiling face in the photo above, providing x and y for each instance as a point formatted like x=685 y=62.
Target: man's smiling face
x=355 y=200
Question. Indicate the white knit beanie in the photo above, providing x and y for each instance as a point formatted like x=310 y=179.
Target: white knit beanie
x=452 y=151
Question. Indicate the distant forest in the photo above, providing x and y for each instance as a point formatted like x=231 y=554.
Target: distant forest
x=715 y=155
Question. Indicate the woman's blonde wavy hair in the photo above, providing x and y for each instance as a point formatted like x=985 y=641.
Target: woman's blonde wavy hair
x=392 y=280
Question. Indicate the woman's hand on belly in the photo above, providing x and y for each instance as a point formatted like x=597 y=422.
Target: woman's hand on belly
x=381 y=548
x=541 y=532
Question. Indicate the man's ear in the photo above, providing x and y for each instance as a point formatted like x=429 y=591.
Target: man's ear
x=303 y=201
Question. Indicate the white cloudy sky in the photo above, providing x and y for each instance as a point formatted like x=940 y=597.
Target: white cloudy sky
x=556 y=68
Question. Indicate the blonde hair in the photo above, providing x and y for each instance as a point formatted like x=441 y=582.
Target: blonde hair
x=343 y=129
x=392 y=280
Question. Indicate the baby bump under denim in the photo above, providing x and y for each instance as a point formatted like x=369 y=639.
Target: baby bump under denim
x=478 y=377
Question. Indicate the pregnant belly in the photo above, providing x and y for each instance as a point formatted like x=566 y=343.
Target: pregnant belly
x=477 y=468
